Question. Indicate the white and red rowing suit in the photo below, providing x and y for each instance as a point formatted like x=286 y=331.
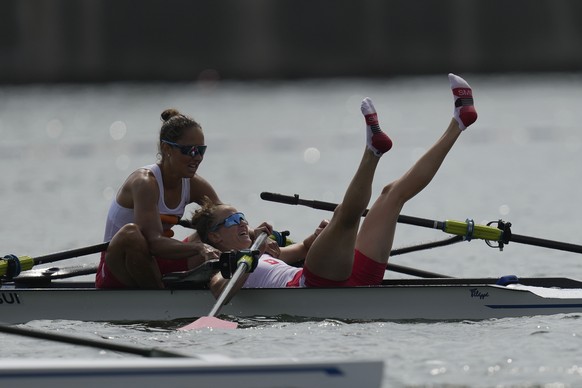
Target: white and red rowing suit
x=274 y=273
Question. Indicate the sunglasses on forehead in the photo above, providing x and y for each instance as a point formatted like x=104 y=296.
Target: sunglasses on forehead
x=233 y=219
x=190 y=150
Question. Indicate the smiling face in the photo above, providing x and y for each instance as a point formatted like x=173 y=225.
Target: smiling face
x=184 y=165
x=229 y=233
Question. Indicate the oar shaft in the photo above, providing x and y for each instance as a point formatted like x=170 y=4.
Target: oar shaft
x=546 y=243
x=88 y=342
x=414 y=272
x=321 y=205
x=72 y=253
x=240 y=270
x=453 y=227
x=432 y=224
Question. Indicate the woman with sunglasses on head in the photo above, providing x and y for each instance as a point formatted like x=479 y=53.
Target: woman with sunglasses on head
x=340 y=253
x=227 y=229
x=141 y=248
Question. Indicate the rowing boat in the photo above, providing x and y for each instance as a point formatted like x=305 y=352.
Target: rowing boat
x=435 y=299
x=162 y=367
x=50 y=293
x=215 y=371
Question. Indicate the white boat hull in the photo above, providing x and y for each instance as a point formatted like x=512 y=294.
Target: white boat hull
x=428 y=300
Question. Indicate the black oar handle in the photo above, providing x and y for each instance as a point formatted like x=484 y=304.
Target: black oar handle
x=295 y=200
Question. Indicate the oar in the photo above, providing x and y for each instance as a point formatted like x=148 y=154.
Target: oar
x=89 y=342
x=175 y=220
x=467 y=228
x=419 y=272
x=211 y=321
x=9 y=267
x=415 y=272
x=14 y=265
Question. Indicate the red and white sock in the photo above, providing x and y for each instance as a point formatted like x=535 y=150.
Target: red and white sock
x=465 y=112
x=376 y=139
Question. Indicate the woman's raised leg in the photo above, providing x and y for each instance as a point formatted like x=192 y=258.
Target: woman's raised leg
x=377 y=233
x=332 y=254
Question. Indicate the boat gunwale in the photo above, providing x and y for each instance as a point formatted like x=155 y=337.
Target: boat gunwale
x=548 y=282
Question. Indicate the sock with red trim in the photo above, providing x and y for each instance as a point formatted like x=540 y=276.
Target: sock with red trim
x=376 y=139
x=465 y=112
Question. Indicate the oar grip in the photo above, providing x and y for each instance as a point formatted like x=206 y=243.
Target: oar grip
x=482 y=232
x=26 y=263
x=175 y=220
x=248 y=260
x=274 y=197
x=169 y=219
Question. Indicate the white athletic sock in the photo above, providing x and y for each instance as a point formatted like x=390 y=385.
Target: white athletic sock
x=465 y=112
x=376 y=139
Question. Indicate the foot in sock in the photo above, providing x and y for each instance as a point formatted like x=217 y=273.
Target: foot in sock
x=376 y=139
x=465 y=112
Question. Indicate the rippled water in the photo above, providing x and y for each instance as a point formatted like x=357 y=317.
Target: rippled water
x=66 y=149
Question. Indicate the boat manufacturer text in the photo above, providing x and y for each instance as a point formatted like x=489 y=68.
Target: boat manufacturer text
x=475 y=293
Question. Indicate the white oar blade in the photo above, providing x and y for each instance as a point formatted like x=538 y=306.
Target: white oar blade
x=209 y=323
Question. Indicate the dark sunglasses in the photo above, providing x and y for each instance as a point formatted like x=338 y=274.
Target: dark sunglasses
x=190 y=150
x=233 y=219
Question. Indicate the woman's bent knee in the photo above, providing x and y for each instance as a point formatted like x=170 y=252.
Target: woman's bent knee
x=127 y=242
x=130 y=235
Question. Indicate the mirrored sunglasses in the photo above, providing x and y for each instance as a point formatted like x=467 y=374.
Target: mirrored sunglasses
x=233 y=219
x=190 y=150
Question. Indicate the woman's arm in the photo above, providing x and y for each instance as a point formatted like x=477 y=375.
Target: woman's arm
x=296 y=252
x=143 y=189
x=218 y=283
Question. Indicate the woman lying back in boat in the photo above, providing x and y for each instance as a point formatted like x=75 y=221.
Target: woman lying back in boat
x=342 y=254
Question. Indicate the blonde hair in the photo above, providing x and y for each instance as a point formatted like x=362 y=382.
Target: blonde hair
x=203 y=218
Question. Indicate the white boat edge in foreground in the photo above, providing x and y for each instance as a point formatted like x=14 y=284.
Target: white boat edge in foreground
x=216 y=372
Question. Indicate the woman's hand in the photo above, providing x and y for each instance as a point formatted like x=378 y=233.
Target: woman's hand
x=270 y=246
x=203 y=253
x=209 y=252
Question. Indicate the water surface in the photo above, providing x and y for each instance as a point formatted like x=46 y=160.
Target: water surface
x=66 y=149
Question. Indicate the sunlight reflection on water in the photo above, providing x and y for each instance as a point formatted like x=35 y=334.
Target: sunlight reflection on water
x=66 y=149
